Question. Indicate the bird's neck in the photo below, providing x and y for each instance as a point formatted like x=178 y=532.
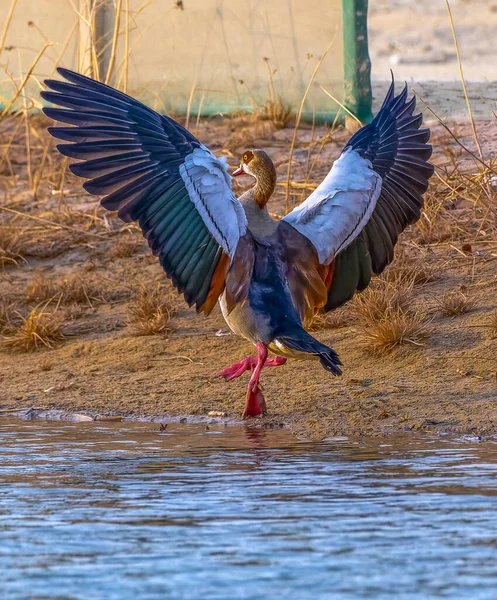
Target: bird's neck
x=264 y=187
x=259 y=221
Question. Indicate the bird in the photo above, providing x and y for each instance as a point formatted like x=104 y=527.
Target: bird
x=270 y=277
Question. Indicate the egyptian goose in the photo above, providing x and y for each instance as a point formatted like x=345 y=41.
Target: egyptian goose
x=269 y=276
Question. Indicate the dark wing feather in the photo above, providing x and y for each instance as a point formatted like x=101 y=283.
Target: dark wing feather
x=151 y=170
x=398 y=151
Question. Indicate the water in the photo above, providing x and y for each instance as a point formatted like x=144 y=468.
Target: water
x=116 y=511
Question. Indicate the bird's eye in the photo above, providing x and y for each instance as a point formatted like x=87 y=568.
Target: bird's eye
x=245 y=157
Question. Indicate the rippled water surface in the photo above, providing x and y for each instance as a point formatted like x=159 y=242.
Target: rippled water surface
x=104 y=511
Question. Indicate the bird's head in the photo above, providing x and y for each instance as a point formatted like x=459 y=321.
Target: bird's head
x=258 y=164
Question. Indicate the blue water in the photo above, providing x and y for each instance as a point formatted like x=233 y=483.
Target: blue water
x=116 y=511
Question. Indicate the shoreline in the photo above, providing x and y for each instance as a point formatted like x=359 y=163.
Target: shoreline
x=88 y=271
x=33 y=413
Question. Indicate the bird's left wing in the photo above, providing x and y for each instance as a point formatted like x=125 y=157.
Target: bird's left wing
x=372 y=193
x=337 y=211
x=152 y=170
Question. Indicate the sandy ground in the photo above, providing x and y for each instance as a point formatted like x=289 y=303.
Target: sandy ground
x=447 y=382
x=414 y=39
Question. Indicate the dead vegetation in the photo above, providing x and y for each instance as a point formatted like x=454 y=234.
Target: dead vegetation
x=151 y=310
x=381 y=299
x=406 y=268
x=125 y=246
x=73 y=312
x=277 y=111
x=11 y=245
x=387 y=316
x=64 y=289
x=6 y=317
x=39 y=329
x=394 y=330
x=331 y=320
x=245 y=133
x=491 y=324
x=453 y=304
x=46 y=364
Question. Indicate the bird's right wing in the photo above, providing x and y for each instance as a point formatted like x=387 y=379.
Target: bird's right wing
x=152 y=170
x=372 y=193
x=337 y=211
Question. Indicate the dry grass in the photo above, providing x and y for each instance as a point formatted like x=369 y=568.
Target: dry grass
x=71 y=217
x=452 y=304
x=37 y=330
x=393 y=330
x=245 y=135
x=125 y=247
x=387 y=316
x=408 y=270
x=151 y=311
x=441 y=229
x=73 y=312
x=70 y=289
x=331 y=320
x=6 y=317
x=11 y=245
x=382 y=298
x=437 y=224
x=46 y=365
x=277 y=111
x=491 y=325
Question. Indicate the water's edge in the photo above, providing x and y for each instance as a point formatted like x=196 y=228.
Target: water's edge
x=222 y=419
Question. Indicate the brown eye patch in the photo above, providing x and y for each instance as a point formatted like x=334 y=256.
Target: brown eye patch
x=248 y=156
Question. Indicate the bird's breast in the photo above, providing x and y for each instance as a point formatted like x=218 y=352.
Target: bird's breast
x=246 y=322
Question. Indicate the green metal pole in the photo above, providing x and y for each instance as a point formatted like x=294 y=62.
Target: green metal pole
x=356 y=62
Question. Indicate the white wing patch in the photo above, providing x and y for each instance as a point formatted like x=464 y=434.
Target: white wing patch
x=337 y=211
x=209 y=186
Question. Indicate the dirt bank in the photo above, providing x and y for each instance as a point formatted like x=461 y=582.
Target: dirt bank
x=415 y=40
x=445 y=380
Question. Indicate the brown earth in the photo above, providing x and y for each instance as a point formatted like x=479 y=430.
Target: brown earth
x=415 y=40
x=446 y=382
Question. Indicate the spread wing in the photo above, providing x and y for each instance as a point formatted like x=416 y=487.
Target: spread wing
x=152 y=170
x=338 y=210
x=372 y=193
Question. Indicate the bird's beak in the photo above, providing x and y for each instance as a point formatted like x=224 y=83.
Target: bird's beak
x=238 y=171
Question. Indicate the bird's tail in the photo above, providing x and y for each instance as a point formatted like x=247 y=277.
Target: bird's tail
x=301 y=341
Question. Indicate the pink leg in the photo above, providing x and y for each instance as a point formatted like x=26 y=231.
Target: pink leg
x=256 y=405
x=248 y=364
